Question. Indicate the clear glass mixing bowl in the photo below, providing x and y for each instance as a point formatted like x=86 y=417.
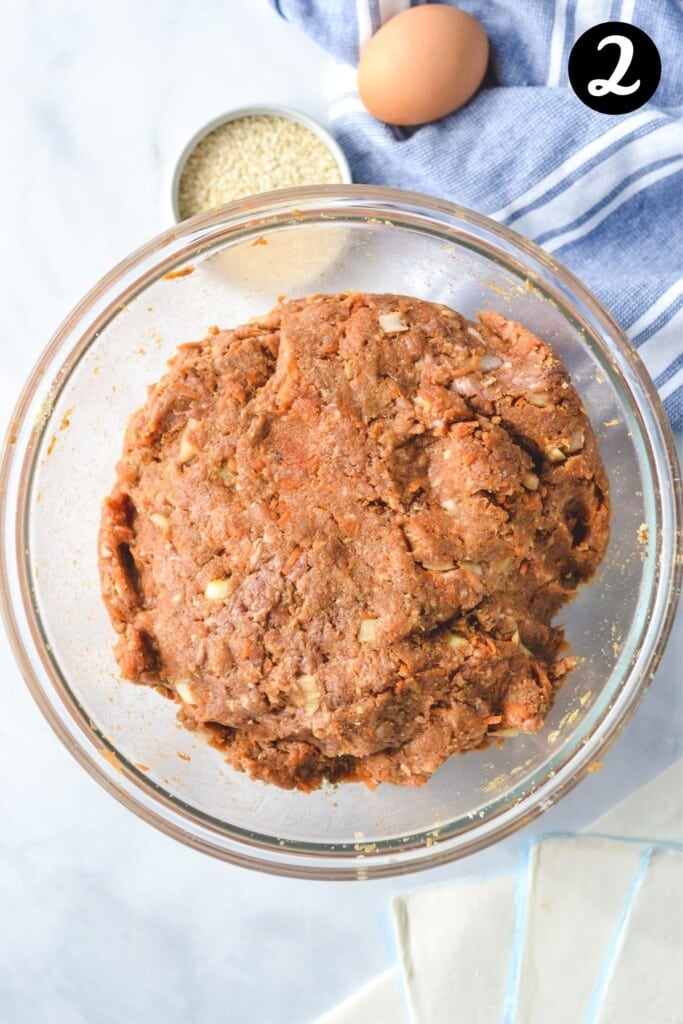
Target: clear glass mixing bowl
x=58 y=464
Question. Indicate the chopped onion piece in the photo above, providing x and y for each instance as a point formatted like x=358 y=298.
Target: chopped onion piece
x=184 y=691
x=392 y=323
x=368 y=630
x=219 y=589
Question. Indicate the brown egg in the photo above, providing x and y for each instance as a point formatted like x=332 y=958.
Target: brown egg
x=422 y=64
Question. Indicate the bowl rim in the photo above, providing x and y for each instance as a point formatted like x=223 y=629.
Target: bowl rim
x=254 y=110
x=23 y=436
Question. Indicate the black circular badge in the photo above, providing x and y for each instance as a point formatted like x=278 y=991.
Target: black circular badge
x=614 y=67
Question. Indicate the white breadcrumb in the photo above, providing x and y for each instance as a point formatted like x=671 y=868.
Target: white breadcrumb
x=253 y=154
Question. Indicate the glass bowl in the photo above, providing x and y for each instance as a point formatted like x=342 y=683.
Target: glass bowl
x=65 y=439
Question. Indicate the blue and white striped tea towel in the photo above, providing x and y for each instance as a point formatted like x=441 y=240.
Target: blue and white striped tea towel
x=602 y=193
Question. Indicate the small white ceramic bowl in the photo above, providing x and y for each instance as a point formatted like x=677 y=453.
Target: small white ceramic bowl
x=255 y=111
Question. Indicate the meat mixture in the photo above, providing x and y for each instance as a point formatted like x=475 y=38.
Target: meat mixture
x=340 y=532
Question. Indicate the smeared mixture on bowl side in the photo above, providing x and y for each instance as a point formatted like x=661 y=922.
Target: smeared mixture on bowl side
x=340 y=532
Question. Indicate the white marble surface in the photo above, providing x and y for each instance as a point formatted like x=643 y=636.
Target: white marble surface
x=102 y=919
